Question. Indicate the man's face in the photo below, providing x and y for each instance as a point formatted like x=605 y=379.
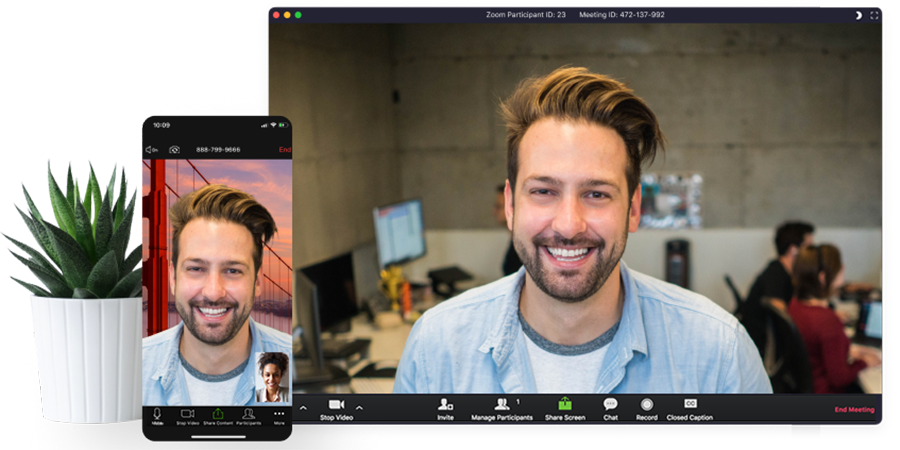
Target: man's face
x=571 y=215
x=807 y=240
x=214 y=283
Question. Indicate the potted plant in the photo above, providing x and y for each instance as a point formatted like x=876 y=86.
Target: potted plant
x=87 y=315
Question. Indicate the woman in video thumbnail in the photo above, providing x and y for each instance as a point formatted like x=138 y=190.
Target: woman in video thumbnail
x=272 y=367
x=818 y=274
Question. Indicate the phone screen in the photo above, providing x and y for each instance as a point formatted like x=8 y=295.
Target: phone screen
x=217 y=278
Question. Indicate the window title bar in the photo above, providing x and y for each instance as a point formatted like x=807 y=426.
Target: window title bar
x=574 y=15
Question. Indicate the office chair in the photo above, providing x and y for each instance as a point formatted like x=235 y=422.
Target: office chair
x=738 y=300
x=784 y=356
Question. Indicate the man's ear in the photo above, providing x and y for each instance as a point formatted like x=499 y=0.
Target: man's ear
x=171 y=278
x=257 y=288
x=508 y=205
x=793 y=250
x=634 y=210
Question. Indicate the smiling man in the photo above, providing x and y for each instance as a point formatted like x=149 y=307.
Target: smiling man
x=217 y=243
x=575 y=319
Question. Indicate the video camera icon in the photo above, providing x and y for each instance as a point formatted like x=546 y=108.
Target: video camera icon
x=187 y=413
x=335 y=404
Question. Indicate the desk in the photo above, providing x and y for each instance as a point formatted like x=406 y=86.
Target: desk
x=386 y=347
x=870 y=377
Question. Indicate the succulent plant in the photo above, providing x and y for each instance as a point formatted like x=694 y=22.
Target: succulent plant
x=85 y=253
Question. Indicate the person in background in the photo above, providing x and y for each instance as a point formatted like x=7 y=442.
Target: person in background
x=818 y=273
x=775 y=281
x=511 y=262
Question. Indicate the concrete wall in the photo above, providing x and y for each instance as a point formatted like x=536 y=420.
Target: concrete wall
x=335 y=85
x=783 y=121
x=741 y=253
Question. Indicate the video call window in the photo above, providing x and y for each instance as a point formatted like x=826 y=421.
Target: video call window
x=522 y=136
x=217 y=299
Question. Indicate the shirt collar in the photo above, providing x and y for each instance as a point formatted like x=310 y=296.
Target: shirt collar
x=169 y=369
x=630 y=337
x=631 y=329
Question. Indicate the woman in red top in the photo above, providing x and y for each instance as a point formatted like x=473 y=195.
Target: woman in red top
x=817 y=274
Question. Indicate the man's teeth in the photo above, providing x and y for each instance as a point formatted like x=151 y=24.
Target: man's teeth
x=213 y=311
x=567 y=254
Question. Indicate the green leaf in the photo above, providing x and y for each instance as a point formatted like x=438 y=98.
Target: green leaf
x=83 y=293
x=41 y=235
x=125 y=288
x=104 y=276
x=87 y=204
x=83 y=233
x=65 y=214
x=109 y=187
x=58 y=287
x=36 y=290
x=34 y=211
x=136 y=291
x=119 y=239
x=75 y=264
x=70 y=188
x=104 y=228
x=133 y=258
x=94 y=187
x=37 y=257
x=120 y=202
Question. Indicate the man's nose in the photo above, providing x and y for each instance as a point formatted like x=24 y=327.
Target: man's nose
x=569 y=221
x=214 y=288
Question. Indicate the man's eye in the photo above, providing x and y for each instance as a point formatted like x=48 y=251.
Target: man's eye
x=541 y=191
x=596 y=194
x=193 y=269
x=233 y=271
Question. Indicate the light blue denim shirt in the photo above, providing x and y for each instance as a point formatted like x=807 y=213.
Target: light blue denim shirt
x=670 y=340
x=163 y=378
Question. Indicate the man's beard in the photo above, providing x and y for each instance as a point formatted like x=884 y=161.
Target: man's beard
x=563 y=284
x=219 y=333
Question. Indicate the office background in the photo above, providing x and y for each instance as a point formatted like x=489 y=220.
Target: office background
x=782 y=121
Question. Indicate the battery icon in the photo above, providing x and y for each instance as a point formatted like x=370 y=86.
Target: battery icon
x=283 y=124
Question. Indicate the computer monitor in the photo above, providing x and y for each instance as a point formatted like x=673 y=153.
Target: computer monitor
x=399 y=232
x=306 y=305
x=870 y=321
x=335 y=292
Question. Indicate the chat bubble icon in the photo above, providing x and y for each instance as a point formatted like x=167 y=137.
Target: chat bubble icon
x=610 y=403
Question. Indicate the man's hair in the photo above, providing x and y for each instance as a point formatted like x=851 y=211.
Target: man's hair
x=791 y=233
x=501 y=188
x=810 y=262
x=574 y=94
x=218 y=202
x=279 y=359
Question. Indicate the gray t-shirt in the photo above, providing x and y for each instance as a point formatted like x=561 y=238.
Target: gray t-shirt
x=566 y=369
x=211 y=390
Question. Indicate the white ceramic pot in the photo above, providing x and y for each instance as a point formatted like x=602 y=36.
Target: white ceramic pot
x=89 y=357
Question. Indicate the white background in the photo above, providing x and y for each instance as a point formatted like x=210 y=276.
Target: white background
x=115 y=59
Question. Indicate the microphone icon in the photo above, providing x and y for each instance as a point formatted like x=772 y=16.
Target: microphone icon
x=156 y=413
